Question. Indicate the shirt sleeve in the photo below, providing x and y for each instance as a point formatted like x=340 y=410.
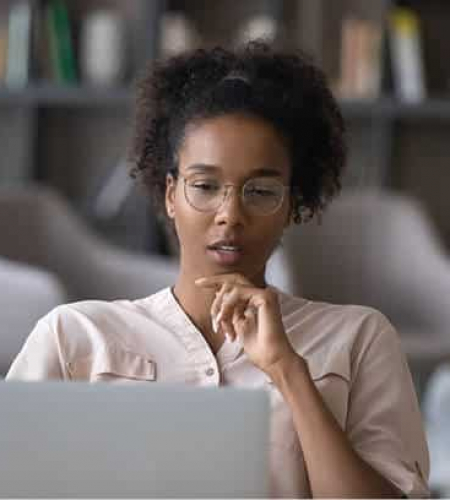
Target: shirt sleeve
x=40 y=357
x=384 y=422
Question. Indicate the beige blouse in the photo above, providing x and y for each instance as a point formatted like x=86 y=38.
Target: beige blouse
x=353 y=354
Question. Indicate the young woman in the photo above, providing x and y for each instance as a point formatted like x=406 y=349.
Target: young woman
x=234 y=147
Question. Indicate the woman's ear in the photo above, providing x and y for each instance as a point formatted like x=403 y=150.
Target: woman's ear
x=290 y=214
x=170 y=196
x=288 y=220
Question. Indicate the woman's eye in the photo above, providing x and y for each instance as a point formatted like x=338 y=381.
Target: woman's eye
x=205 y=186
x=261 y=192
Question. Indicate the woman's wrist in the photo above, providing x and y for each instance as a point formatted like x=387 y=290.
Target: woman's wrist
x=286 y=367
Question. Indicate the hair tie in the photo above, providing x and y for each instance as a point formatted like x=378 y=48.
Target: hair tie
x=235 y=75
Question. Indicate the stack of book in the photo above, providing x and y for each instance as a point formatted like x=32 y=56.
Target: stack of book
x=37 y=44
x=364 y=47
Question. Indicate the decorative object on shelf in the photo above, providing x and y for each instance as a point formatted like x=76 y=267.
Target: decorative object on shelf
x=405 y=39
x=260 y=26
x=361 y=59
x=113 y=192
x=103 y=48
x=19 y=46
x=178 y=34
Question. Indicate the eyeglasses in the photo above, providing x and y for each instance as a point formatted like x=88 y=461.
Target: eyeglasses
x=259 y=195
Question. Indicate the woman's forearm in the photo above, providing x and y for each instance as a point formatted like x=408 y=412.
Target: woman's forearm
x=334 y=468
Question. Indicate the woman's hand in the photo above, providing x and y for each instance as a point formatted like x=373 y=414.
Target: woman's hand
x=253 y=314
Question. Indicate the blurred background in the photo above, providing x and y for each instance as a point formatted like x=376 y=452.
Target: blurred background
x=74 y=226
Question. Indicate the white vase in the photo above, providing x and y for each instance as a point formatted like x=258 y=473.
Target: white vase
x=103 y=48
x=178 y=34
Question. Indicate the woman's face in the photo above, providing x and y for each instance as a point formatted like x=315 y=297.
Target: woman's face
x=229 y=149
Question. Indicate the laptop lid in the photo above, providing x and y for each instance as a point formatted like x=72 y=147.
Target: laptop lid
x=60 y=439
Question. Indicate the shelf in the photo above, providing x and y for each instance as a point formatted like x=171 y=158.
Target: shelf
x=364 y=108
x=436 y=108
x=54 y=95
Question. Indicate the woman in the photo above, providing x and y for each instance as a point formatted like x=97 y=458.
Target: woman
x=235 y=146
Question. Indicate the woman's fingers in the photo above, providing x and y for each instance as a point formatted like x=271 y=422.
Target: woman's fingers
x=216 y=306
x=232 y=308
x=225 y=303
x=240 y=320
x=228 y=310
x=233 y=314
x=218 y=323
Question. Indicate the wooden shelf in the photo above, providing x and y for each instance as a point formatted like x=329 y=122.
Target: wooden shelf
x=435 y=108
x=363 y=108
x=55 y=95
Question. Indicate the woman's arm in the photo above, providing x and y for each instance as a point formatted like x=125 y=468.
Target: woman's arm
x=40 y=357
x=334 y=468
x=383 y=421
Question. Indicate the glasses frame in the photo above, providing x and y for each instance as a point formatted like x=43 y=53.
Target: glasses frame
x=225 y=196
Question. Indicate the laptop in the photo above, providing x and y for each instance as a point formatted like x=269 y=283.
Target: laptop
x=75 y=439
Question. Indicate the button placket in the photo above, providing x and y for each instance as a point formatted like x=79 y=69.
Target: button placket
x=210 y=373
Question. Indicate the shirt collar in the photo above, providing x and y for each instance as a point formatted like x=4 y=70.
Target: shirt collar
x=179 y=322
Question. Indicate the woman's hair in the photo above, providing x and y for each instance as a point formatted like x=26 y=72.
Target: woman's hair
x=285 y=89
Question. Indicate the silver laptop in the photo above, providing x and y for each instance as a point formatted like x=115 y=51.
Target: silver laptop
x=60 y=439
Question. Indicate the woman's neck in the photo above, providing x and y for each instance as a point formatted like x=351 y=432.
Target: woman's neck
x=196 y=303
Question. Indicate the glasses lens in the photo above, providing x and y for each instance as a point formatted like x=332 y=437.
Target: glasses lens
x=204 y=194
x=262 y=195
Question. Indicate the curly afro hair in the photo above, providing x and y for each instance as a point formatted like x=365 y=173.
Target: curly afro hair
x=286 y=89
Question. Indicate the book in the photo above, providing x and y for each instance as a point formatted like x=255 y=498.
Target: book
x=3 y=50
x=19 y=45
x=349 y=44
x=405 y=42
x=42 y=66
x=361 y=59
x=369 y=63
x=60 y=40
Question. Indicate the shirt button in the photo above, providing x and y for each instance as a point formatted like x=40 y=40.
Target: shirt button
x=209 y=372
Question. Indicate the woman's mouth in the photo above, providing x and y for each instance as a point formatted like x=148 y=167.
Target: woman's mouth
x=227 y=255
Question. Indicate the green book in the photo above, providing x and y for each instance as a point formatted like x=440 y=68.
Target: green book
x=61 y=45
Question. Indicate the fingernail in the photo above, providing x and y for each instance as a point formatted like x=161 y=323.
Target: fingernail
x=215 y=325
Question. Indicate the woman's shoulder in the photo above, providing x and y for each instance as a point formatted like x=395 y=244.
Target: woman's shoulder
x=95 y=309
x=315 y=325
x=82 y=326
x=77 y=337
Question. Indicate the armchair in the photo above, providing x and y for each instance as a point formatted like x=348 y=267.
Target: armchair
x=380 y=249
x=52 y=257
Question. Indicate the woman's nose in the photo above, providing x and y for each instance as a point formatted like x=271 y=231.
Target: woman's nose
x=231 y=211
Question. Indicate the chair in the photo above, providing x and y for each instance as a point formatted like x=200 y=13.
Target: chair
x=436 y=408
x=27 y=294
x=377 y=248
x=51 y=252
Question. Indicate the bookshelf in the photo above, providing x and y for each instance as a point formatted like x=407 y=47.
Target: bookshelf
x=395 y=143
x=72 y=136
